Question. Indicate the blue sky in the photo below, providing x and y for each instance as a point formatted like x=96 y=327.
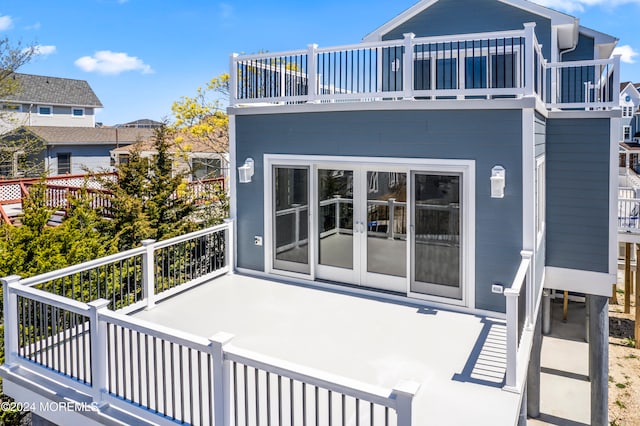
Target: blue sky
x=141 y=55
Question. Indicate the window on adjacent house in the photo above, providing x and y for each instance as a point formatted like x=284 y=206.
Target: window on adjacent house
x=540 y=196
x=64 y=163
x=206 y=168
x=11 y=107
x=45 y=110
x=626 y=130
x=77 y=112
x=123 y=159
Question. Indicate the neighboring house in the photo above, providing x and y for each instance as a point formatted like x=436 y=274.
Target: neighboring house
x=75 y=150
x=199 y=160
x=144 y=123
x=403 y=207
x=629 y=104
x=49 y=101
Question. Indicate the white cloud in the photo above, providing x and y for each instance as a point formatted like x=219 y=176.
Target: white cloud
x=122 y=1
x=226 y=10
x=40 y=50
x=35 y=26
x=6 y=23
x=113 y=63
x=626 y=53
x=580 y=5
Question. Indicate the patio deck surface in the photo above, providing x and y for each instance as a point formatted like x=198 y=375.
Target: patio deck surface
x=459 y=359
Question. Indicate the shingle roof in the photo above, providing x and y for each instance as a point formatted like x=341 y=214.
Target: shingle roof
x=187 y=143
x=89 y=135
x=43 y=90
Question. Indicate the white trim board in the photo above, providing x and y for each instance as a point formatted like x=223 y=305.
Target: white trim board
x=594 y=283
x=614 y=135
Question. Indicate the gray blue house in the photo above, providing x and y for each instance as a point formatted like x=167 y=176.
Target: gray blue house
x=430 y=159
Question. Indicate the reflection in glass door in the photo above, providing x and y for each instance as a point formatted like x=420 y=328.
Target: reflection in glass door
x=335 y=218
x=291 y=219
x=437 y=227
x=386 y=237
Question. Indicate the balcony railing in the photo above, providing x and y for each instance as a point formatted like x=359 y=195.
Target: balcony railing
x=505 y=64
x=70 y=326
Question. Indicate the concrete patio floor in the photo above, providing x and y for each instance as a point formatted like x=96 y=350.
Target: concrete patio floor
x=455 y=357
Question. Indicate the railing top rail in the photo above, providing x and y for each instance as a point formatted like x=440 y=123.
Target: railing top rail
x=156 y=330
x=74 y=188
x=359 y=46
x=630 y=200
x=49 y=298
x=49 y=178
x=470 y=36
x=186 y=237
x=519 y=278
x=269 y=55
x=334 y=383
x=590 y=62
x=81 y=267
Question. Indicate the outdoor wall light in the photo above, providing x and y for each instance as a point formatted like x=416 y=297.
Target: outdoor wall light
x=498 y=181
x=245 y=172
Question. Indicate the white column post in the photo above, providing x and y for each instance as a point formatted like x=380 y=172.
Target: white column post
x=10 y=306
x=312 y=74
x=531 y=293
x=229 y=245
x=148 y=274
x=221 y=398
x=392 y=217
x=403 y=393
x=233 y=79
x=407 y=66
x=512 y=338
x=529 y=50
x=616 y=81
x=99 y=345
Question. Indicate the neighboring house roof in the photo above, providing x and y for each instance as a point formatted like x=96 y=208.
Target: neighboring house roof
x=187 y=143
x=53 y=135
x=44 y=90
x=142 y=123
x=630 y=88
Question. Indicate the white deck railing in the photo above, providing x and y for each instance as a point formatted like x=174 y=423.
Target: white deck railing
x=492 y=65
x=522 y=302
x=629 y=214
x=164 y=375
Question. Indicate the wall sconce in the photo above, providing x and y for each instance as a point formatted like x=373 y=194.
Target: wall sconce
x=245 y=172
x=498 y=181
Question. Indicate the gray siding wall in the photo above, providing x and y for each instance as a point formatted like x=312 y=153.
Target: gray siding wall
x=584 y=50
x=92 y=157
x=488 y=137
x=471 y=16
x=578 y=194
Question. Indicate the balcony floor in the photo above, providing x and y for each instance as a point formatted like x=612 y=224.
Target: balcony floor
x=459 y=359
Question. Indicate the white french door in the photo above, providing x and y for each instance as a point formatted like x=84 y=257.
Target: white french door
x=406 y=228
x=362 y=225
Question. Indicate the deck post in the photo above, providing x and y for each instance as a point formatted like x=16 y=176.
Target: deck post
x=221 y=398
x=627 y=278
x=529 y=52
x=637 y=298
x=616 y=80
x=148 y=276
x=599 y=359
x=407 y=66
x=10 y=306
x=98 y=339
x=533 y=373
x=403 y=393
x=233 y=79
x=512 y=338
x=312 y=74
x=546 y=311
x=229 y=247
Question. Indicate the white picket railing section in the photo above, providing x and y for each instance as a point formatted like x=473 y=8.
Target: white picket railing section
x=162 y=374
x=492 y=65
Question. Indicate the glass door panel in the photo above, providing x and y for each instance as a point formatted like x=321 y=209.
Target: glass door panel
x=291 y=219
x=335 y=218
x=387 y=223
x=436 y=251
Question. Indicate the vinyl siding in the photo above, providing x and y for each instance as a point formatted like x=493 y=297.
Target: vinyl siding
x=488 y=137
x=92 y=157
x=578 y=194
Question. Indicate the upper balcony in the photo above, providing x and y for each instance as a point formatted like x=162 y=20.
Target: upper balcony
x=496 y=65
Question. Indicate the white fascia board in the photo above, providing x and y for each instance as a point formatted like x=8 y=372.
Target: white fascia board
x=557 y=18
x=589 y=282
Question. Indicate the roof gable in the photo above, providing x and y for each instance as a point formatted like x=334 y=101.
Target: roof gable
x=557 y=18
x=44 y=90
